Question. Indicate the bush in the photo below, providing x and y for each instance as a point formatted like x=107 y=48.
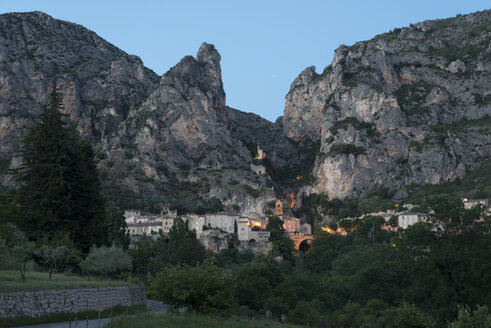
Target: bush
x=54 y=259
x=346 y=149
x=251 y=191
x=205 y=288
x=106 y=261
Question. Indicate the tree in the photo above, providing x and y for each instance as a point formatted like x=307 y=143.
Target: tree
x=205 y=288
x=54 y=259
x=116 y=225
x=394 y=221
x=106 y=261
x=479 y=318
x=182 y=246
x=59 y=186
x=448 y=209
x=20 y=255
x=283 y=244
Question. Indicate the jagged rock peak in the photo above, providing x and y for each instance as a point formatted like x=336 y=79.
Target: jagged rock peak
x=207 y=53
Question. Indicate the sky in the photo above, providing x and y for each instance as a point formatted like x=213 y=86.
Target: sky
x=264 y=45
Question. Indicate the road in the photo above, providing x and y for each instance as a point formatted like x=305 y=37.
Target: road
x=157 y=307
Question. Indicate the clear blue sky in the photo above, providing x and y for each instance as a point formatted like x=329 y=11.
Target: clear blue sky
x=264 y=44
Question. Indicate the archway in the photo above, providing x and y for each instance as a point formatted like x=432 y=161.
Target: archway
x=305 y=245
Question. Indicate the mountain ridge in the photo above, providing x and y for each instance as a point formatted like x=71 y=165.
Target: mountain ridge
x=171 y=140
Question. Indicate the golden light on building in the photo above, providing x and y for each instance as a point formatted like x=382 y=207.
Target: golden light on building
x=393 y=245
x=299 y=177
x=279 y=208
x=290 y=199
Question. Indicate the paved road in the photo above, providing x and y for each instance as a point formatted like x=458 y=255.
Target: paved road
x=157 y=307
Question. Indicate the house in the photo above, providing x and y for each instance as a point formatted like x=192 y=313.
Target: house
x=407 y=219
x=132 y=216
x=144 y=228
x=251 y=230
x=278 y=208
x=258 y=169
x=291 y=225
x=222 y=221
x=260 y=154
x=195 y=222
x=470 y=203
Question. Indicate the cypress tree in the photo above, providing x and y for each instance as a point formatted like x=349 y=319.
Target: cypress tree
x=59 y=186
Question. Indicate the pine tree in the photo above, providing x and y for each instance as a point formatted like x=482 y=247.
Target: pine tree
x=60 y=188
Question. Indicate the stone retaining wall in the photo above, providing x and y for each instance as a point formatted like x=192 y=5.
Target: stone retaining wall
x=43 y=302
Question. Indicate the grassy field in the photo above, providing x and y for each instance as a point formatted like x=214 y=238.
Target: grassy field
x=187 y=320
x=10 y=281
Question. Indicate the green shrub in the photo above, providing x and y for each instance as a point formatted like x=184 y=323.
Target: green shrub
x=346 y=149
x=106 y=261
x=128 y=154
x=356 y=124
x=251 y=191
x=205 y=288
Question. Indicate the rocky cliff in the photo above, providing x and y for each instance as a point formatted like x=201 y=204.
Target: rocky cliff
x=411 y=106
x=168 y=140
x=408 y=107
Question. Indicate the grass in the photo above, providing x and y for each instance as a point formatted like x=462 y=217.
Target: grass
x=10 y=281
x=187 y=320
x=59 y=317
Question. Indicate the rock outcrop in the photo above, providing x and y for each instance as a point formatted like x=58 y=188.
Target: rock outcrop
x=408 y=107
x=411 y=106
x=168 y=140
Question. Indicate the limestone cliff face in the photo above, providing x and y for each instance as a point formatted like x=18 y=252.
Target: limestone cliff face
x=180 y=134
x=170 y=139
x=100 y=84
x=408 y=107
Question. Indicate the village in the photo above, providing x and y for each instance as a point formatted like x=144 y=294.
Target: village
x=251 y=230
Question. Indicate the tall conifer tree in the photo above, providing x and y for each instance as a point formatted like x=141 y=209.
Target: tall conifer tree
x=60 y=188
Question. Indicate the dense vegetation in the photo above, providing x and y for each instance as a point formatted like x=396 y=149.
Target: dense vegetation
x=419 y=277
x=57 y=215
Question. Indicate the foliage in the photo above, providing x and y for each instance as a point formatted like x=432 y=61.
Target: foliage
x=479 y=318
x=106 y=261
x=59 y=190
x=20 y=254
x=54 y=259
x=356 y=124
x=116 y=225
x=203 y=289
x=180 y=246
x=346 y=149
x=282 y=244
x=251 y=191
x=411 y=97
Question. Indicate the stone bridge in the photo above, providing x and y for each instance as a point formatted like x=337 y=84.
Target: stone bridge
x=302 y=242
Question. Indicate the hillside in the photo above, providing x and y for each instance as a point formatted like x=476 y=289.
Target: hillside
x=410 y=106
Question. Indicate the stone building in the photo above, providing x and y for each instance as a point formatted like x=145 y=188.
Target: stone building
x=407 y=219
x=252 y=230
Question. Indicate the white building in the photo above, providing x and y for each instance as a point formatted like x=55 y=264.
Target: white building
x=246 y=232
x=222 y=221
x=470 y=203
x=146 y=224
x=407 y=219
x=131 y=216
